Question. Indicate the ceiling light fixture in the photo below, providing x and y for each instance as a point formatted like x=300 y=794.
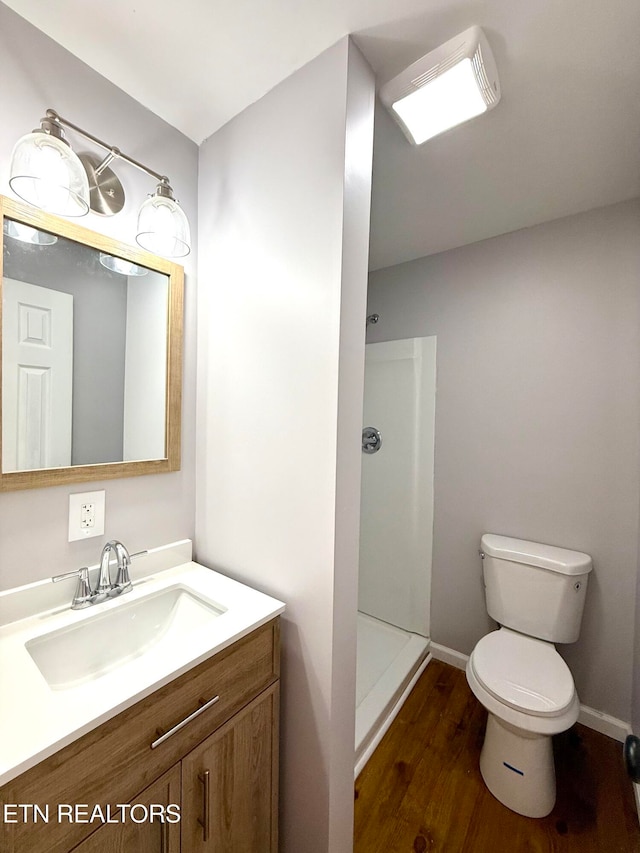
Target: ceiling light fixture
x=450 y=85
x=46 y=173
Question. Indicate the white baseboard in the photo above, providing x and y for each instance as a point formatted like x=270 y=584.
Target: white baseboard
x=449 y=656
x=596 y=720
x=603 y=723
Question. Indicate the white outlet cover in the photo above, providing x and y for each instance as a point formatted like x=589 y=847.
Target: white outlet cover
x=76 y=531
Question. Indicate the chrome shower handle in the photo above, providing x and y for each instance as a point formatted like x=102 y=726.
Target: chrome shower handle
x=371 y=440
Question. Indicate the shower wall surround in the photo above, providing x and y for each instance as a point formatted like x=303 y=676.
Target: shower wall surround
x=537 y=418
x=396 y=521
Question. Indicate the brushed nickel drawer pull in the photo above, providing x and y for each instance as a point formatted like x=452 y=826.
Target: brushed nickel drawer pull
x=184 y=722
x=204 y=820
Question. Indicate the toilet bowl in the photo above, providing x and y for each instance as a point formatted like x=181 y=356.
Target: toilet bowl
x=536 y=594
x=529 y=693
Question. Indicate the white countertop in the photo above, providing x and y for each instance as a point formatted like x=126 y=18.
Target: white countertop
x=36 y=720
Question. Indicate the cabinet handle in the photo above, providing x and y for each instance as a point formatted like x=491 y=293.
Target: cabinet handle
x=204 y=820
x=184 y=722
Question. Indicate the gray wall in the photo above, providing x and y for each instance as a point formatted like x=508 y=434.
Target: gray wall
x=284 y=216
x=142 y=511
x=537 y=417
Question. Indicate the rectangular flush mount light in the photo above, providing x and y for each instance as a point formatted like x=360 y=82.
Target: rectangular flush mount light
x=452 y=84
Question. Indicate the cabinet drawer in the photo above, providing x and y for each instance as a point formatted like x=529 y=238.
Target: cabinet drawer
x=115 y=761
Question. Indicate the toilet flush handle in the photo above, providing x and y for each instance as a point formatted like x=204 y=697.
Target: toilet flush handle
x=482 y=555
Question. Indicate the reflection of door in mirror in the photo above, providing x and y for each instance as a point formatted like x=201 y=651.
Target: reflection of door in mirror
x=37 y=359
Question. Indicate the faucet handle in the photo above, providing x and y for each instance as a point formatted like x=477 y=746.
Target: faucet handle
x=66 y=575
x=123 y=580
x=124 y=558
x=83 y=596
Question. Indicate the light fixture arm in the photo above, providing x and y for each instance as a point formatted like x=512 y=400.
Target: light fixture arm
x=112 y=155
x=53 y=117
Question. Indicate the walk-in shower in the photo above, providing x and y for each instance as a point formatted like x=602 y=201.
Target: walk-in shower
x=396 y=531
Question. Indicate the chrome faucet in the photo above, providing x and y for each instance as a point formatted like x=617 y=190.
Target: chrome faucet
x=123 y=581
x=84 y=595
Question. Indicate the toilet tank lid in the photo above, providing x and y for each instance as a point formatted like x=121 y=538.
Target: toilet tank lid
x=549 y=557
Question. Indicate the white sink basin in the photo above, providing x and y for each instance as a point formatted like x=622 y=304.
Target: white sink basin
x=103 y=641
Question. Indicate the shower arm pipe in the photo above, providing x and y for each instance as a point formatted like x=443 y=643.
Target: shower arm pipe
x=113 y=151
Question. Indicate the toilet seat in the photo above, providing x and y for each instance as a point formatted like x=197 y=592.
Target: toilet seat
x=523 y=673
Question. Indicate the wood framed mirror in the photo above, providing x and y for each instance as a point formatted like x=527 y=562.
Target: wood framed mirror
x=91 y=368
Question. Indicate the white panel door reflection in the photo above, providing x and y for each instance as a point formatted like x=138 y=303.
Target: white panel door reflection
x=37 y=358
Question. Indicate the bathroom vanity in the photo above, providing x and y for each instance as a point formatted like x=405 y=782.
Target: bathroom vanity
x=201 y=743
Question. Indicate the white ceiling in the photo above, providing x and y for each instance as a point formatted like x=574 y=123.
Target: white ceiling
x=564 y=138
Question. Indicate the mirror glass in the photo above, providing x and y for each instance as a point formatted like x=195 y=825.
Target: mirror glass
x=86 y=353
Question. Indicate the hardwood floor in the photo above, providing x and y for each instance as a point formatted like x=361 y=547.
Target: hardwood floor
x=422 y=791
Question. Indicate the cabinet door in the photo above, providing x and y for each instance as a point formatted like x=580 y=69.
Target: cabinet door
x=229 y=784
x=149 y=836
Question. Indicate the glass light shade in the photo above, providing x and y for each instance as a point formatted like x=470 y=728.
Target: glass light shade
x=450 y=99
x=27 y=234
x=46 y=173
x=163 y=227
x=120 y=265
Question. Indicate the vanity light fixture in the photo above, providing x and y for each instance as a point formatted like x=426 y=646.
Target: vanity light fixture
x=46 y=173
x=162 y=225
x=450 y=85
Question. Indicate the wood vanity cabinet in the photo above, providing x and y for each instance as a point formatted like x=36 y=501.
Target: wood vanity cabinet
x=220 y=767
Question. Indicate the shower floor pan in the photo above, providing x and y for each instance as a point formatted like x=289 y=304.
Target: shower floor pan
x=388 y=664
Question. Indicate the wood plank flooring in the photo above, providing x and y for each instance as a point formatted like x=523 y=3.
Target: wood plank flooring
x=422 y=791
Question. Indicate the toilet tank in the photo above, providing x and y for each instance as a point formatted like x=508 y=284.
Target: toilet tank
x=536 y=589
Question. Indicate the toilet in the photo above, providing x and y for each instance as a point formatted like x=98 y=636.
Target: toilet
x=536 y=595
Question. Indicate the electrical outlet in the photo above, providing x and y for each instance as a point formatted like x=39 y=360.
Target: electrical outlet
x=86 y=515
